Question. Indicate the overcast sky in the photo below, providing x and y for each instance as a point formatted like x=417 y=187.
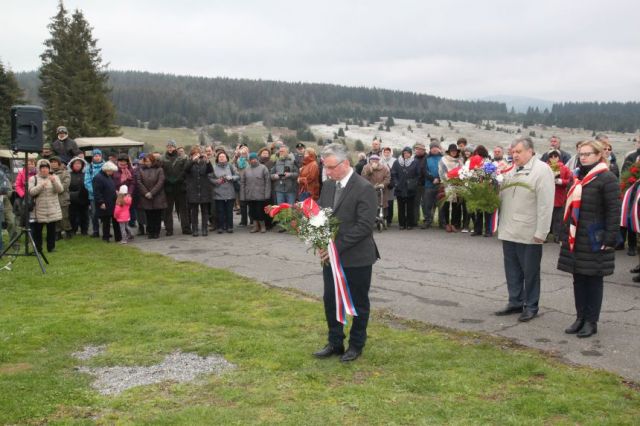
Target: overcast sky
x=555 y=50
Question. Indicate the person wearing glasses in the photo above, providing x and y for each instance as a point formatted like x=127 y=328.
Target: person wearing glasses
x=591 y=225
x=609 y=154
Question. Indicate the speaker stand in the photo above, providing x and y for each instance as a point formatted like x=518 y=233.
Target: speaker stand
x=28 y=242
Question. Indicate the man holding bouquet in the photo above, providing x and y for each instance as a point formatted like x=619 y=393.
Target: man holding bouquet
x=354 y=203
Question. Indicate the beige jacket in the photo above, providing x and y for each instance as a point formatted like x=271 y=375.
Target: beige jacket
x=45 y=193
x=525 y=213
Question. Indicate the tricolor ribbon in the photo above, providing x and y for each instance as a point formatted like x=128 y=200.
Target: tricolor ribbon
x=344 y=303
x=494 y=221
x=629 y=217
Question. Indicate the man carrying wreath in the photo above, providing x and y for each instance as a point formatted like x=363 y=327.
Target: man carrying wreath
x=354 y=203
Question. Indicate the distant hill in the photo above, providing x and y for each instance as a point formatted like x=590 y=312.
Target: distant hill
x=520 y=104
x=188 y=101
x=183 y=101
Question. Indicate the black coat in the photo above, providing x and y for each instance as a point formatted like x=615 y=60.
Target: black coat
x=104 y=191
x=197 y=181
x=600 y=205
x=78 y=194
x=405 y=179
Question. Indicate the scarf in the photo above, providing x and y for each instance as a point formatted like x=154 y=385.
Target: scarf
x=574 y=200
x=405 y=162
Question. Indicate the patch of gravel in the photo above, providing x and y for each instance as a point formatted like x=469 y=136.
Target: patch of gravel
x=89 y=352
x=178 y=367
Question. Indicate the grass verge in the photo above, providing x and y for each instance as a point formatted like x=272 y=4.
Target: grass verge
x=144 y=306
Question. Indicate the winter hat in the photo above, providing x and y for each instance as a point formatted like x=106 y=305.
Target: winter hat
x=435 y=144
x=55 y=158
x=141 y=156
x=253 y=156
x=62 y=129
x=96 y=151
x=43 y=163
x=46 y=146
x=172 y=143
x=452 y=147
x=109 y=166
x=374 y=158
x=123 y=190
x=419 y=146
x=406 y=149
x=553 y=152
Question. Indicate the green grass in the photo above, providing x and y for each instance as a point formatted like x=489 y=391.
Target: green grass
x=144 y=306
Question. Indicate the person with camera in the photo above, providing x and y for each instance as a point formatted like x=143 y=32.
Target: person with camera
x=90 y=172
x=196 y=173
x=173 y=168
x=224 y=179
x=284 y=175
x=255 y=190
x=44 y=187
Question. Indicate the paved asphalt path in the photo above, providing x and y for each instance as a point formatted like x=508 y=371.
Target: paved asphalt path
x=451 y=280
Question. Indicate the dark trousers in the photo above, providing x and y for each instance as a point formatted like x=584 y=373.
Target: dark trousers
x=95 y=221
x=452 y=209
x=51 y=235
x=417 y=205
x=466 y=217
x=204 y=215
x=429 y=201
x=108 y=222
x=154 y=220
x=522 y=270
x=359 y=280
x=482 y=223
x=556 y=222
x=256 y=209
x=390 y=211
x=631 y=236
x=178 y=201
x=224 y=214
x=244 y=212
x=587 y=291
x=79 y=218
x=405 y=211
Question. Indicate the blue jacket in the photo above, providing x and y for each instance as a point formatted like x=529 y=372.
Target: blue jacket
x=91 y=171
x=432 y=170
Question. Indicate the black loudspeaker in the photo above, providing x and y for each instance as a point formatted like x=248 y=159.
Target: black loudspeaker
x=26 y=128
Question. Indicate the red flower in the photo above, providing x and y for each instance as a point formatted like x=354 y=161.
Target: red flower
x=309 y=207
x=475 y=162
x=634 y=170
x=274 y=210
x=631 y=180
x=453 y=173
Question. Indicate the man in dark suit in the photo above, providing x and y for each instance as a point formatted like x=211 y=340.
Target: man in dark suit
x=354 y=203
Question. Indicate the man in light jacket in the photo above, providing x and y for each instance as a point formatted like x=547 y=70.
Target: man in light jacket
x=525 y=218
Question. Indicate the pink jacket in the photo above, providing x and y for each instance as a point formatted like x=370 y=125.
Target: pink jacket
x=20 y=181
x=122 y=213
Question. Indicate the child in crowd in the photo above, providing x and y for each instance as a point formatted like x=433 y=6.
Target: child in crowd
x=122 y=213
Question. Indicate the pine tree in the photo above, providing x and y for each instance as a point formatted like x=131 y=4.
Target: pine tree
x=341 y=132
x=74 y=86
x=10 y=94
x=269 y=138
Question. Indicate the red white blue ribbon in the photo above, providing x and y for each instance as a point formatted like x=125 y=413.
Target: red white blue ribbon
x=494 y=221
x=629 y=217
x=344 y=303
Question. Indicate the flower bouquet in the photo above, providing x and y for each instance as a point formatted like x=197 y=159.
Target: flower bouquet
x=479 y=184
x=630 y=177
x=317 y=227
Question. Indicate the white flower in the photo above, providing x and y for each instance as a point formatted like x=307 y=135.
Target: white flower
x=500 y=178
x=318 y=220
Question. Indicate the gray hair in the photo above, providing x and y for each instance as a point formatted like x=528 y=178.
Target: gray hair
x=526 y=142
x=336 y=150
x=109 y=167
x=601 y=137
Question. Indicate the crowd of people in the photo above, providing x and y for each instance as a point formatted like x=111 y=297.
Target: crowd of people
x=207 y=186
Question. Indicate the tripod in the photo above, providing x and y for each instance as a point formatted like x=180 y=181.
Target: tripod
x=25 y=228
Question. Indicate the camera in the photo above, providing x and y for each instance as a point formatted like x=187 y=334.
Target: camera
x=281 y=175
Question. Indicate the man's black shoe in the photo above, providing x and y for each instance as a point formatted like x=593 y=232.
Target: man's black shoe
x=169 y=233
x=588 y=329
x=351 y=354
x=509 y=310
x=575 y=327
x=635 y=270
x=636 y=279
x=527 y=316
x=328 y=351
x=631 y=251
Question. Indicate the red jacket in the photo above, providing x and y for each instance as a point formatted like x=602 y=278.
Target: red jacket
x=566 y=177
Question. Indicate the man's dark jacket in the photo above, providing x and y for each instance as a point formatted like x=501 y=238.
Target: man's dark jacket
x=356 y=211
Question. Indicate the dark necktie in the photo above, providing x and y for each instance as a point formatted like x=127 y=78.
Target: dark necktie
x=336 y=195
